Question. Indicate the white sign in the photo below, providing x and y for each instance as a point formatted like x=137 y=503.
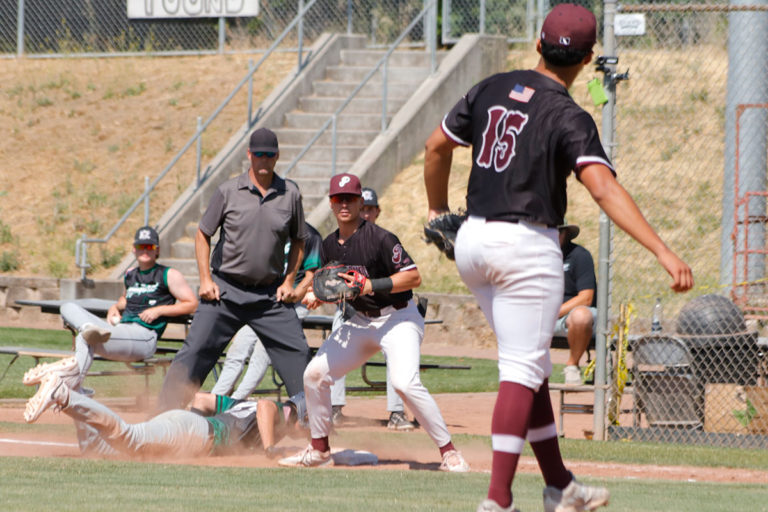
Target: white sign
x=629 y=24
x=192 y=8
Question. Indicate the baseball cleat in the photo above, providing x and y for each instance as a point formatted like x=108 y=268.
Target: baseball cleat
x=576 y=497
x=572 y=376
x=52 y=391
x=66 y=367
x=398 y=421
x=489 y=505
x=307 y=458
x=92 y=333
x=454 y=462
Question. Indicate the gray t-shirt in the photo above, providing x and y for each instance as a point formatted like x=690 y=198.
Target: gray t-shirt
x=254 y=229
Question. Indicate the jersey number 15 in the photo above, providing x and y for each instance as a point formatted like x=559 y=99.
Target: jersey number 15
x=499 y=138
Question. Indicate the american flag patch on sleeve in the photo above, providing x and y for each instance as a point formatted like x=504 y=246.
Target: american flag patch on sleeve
x=521 y=93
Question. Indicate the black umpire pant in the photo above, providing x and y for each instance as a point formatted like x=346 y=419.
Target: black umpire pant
x=214 y=325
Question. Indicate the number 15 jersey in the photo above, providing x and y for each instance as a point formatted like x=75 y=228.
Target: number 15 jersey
x=527 y=135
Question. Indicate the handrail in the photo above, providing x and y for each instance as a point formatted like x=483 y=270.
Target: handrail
x=333 y=119
x=81 y=252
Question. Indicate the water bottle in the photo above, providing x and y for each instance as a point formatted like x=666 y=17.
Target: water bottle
x=658 y=314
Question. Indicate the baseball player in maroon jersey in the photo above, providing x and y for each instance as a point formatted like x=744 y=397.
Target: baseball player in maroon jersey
x=386 y=320
x=527 y=135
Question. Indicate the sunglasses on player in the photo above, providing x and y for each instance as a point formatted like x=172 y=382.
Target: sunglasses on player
x=268 y=154
x=343 y=198
x=145 y=247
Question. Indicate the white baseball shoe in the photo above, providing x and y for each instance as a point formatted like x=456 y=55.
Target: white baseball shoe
x=489 y=505
x=52 y=391
x=67 y=368
x=576 y=497
x=307 y=458
x=572 y=376
x=454 y=462
x=92 y=333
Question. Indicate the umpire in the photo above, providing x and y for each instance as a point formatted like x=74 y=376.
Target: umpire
x=248 y=280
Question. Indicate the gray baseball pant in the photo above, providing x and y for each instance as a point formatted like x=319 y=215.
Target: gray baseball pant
x=172 y=433
x=128 y=341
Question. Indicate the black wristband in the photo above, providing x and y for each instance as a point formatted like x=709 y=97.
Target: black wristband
x=382 y=284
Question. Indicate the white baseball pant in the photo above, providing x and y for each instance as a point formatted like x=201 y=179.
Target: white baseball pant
x=515 y=271
x=397 y=333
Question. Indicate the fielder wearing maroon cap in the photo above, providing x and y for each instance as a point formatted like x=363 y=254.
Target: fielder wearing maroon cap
x=570 y=26
x=345 y=183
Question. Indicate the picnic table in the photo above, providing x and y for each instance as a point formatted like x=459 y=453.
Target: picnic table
x=163 y=358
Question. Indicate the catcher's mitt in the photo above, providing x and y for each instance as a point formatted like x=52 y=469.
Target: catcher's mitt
x=442 y=230
x=329 y=286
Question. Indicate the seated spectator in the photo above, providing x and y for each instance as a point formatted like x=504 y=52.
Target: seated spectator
x=231 y=427
x=153 y=293
x=577 y=314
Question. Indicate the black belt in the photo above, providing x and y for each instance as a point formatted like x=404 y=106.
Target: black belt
x=518 y=221
x=376 y=313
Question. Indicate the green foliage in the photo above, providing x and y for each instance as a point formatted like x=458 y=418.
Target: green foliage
x=58 y=268
x=111 y=258
x=6 y=236
x=9 y=261
x=135 y=90
x=84 y=167
x=44 y=102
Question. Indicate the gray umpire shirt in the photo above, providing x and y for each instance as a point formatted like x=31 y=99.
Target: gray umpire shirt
x=254 y=229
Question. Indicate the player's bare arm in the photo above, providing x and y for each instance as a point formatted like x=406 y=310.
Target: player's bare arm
x=438 y=157
x=204 y=403
x=186 y=302
x=583 y=298
x=266 y=418
x=286 y=292
x=208 y=289
x=622 y=209
x=116 y=309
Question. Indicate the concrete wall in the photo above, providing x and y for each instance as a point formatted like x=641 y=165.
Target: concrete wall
x=473 y=58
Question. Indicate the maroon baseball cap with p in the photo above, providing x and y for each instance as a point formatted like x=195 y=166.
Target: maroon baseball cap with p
x=570 y=26
x=345 y=183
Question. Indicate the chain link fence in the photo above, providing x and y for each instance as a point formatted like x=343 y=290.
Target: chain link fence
x=690 y=147
x=89 y=27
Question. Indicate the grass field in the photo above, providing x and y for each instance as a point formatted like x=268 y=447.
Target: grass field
x=51 y=484
x=55 y=483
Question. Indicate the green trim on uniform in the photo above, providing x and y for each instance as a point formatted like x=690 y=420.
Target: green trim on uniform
x=220 y=432
x=224 y=403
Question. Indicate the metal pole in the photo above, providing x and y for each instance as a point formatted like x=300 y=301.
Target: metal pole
x=250 y=91
x=199 y=146
x=384 y=77
x=146 y=200
x=300 y=30
x=747 y=79
x=432 y=44
x=482 y=17
x=446 y=23
x=334 y=122
x=84 y=255
x=222 y=34
x=20 y=29
x=604 y=255
x=349 y=17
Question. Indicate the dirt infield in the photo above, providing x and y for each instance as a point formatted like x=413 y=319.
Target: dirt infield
x=468 y=413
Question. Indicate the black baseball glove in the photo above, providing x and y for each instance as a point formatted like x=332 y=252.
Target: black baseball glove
x=329 y=286
x=442 y=230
